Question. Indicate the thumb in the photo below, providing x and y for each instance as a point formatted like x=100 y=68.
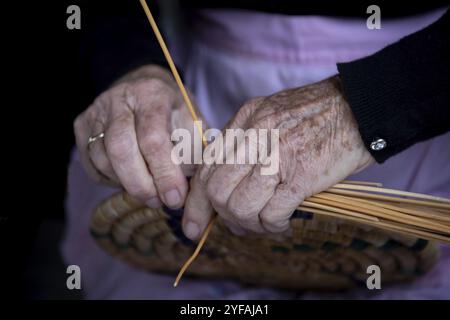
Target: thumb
x=198 y=210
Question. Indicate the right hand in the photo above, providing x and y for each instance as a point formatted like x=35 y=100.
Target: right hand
x=137 y=115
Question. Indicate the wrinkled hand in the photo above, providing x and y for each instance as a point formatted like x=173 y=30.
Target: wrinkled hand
x=137 y=115
x=319 y=146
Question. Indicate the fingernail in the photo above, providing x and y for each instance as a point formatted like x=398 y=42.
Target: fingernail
x=191 y=230
x=154 y=203
x=172 y=198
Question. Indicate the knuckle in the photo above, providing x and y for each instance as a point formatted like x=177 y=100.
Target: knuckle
x=122 y=120
x=120 y=147
x=240 y=211
x=140 y=191
x=274 y=223
x=280 y=227
x=215 y=195
x=78 y=123
x=166 y=179
x=118 y=88
x=248 y=109
x=269 y=219
x=261 y=122
x=150 y=85
x=154 y=83
x=100 y=103
x=151 y=143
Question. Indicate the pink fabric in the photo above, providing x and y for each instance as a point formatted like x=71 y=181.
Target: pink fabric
x=307 y=40
x=232 y=57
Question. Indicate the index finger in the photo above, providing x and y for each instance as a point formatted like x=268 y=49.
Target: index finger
x=123 y=150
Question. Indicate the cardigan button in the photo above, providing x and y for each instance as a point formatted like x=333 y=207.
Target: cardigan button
x=378 y=145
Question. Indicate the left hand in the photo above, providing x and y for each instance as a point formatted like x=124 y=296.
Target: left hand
x=319 y=146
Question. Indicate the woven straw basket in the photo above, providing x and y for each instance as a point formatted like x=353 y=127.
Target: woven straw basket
x=316 y=253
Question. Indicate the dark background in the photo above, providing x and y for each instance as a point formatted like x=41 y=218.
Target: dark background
x=44 y=93
x=48 y=87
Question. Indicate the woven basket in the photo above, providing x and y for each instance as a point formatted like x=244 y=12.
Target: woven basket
x=316 y=253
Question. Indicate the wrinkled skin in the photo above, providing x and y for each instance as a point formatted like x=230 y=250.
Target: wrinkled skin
x=137 y=114
x=319 y=146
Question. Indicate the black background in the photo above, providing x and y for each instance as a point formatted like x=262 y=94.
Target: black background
x=43 y=92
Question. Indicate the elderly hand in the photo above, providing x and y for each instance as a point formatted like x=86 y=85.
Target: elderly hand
x=137 y=115
x=319 y=146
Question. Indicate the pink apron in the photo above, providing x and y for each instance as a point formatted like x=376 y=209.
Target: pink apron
x=233 y=56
